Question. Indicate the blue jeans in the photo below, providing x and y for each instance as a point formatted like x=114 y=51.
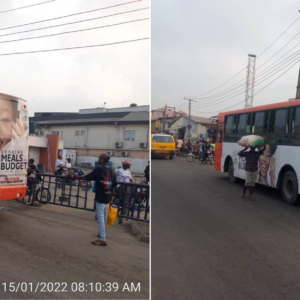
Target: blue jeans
x=102 y=211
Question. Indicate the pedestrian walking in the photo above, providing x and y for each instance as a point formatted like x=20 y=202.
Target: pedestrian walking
x=251 y=168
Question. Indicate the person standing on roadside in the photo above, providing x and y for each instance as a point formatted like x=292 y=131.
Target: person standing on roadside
x=147 y=173
x=105 y=180
x=251 y=168
x=124 y=175
x=179 y=145
x=33 y=181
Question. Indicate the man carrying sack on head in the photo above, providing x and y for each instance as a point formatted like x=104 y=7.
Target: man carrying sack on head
x=251 y=168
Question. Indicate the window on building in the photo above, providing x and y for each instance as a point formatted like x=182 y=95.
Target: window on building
x=42 y=133
x=83 y=133
x=55 y=132
x=129 y=135
x=77 y=133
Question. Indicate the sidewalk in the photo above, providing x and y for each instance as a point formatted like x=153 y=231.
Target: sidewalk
x=58 y=239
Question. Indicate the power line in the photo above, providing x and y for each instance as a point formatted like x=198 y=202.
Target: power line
x=93 y=28
x=208 y=99
x=71 y=15
x=256 y=92
x=278 y=51
x=279 y=37
x=179 y=102
x=238 y=93
x=246 y=66
x=72 y=48
x=5 y=11
x=81 y=21
x=231 y=88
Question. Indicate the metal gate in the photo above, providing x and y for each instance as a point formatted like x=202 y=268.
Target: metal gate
x=132 y=199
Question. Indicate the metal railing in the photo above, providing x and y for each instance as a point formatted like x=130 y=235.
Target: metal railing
x=132 y=199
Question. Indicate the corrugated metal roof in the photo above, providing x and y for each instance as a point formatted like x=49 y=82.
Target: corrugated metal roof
x=136 y=116
x=131 y=117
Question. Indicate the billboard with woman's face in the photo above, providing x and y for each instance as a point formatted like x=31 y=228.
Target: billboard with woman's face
x=13 y=140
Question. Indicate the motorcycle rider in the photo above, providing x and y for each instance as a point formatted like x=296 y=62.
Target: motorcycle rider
x=69 y=166
x=206 y=147
x=197 y=148
x=32 y=182
x=59 y=165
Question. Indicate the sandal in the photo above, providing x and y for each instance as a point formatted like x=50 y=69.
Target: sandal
x=99 y=243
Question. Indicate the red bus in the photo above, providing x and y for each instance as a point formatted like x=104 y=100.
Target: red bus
x=279 y=165
x=14 y=131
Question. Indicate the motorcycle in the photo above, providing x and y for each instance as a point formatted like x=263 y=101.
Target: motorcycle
x=210 y=157
x=63 y=181
x=193 y=155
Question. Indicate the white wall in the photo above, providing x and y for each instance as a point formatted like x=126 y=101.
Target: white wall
x=36 y=141
x=138 y=164
x=34 y=153
x=102 y=136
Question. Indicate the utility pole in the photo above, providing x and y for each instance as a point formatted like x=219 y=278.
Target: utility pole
x=298 y=87
x=164 y=122
x=189 y=126
x=250 y=80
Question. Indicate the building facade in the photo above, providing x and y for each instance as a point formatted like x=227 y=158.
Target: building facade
x=123 y=133
x=199 y=128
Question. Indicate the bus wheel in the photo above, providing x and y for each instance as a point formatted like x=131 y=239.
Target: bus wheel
x=289 y=188
x=232 y=178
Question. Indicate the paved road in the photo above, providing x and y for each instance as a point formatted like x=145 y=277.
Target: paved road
x=52 y=244
x=209 y=244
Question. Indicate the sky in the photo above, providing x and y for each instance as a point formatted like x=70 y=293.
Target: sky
x=199 y=45
x=66 y=81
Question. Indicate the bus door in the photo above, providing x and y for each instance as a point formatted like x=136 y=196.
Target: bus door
x=219 y=147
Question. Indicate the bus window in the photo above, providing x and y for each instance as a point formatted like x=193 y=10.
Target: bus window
x=280 y=121
x=243 y=127
x=220 y=131
x=228 y=124
x=230 y=128
x=295 y=126
x=261 y=122
x=278 y=126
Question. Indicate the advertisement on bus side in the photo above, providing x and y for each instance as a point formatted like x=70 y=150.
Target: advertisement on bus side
x=14 y=129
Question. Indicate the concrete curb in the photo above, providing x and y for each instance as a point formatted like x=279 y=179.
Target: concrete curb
x=135 y=230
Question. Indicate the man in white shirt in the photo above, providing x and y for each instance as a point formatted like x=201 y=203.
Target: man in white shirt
x=69 y=166
x=123 y=174
x=59 y=163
